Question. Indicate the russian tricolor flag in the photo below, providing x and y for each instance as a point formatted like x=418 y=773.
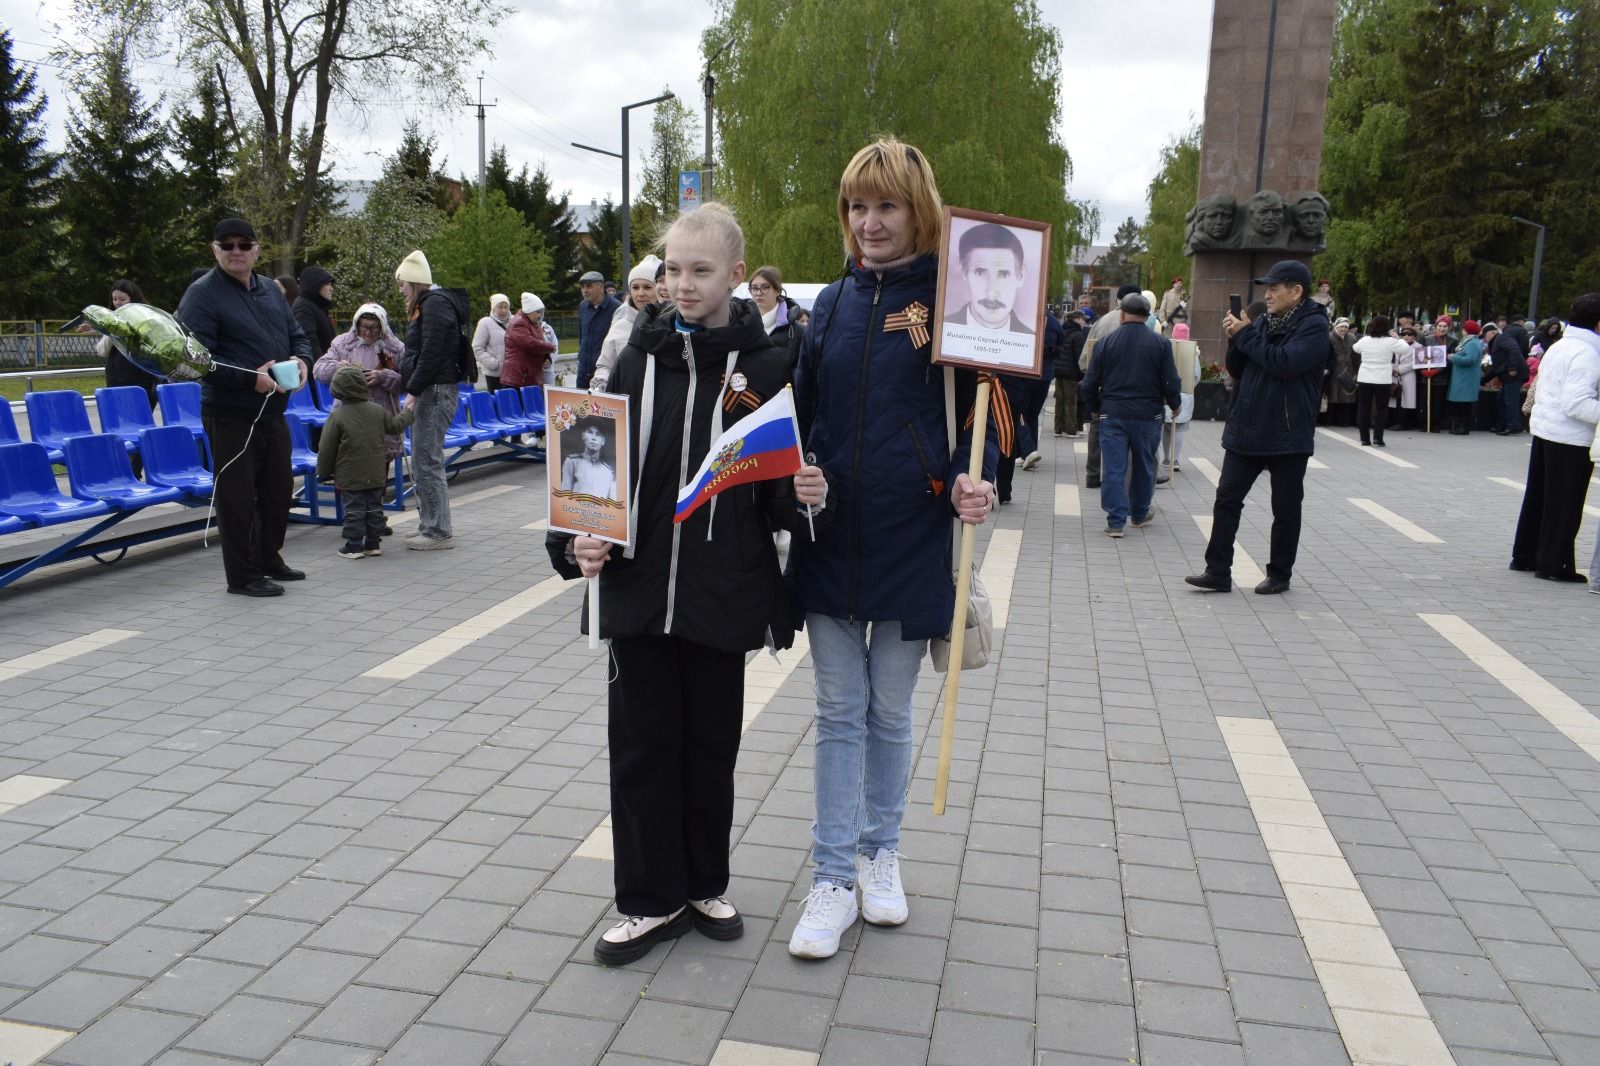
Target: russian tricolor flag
x=763 y=445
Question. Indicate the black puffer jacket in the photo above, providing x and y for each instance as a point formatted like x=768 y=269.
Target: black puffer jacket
x=1279 y=388
x=1071 y=349
x=1508 y=354
x=433 y=340
x=788 y=335
x=311 y=311
x=726 y=591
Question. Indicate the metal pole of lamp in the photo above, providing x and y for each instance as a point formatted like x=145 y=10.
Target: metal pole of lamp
x=627 y=206
x=1538 y=266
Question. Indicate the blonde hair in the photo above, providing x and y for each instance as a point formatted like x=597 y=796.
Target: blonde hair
x=893 y=170
x=712 y=220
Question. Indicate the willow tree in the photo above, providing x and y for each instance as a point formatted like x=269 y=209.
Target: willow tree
x=286 y=66
x=973 y=83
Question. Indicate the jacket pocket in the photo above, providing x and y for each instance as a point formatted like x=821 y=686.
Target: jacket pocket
x=935 y=486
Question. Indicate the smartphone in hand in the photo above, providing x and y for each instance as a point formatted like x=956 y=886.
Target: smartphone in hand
x=1235 y=305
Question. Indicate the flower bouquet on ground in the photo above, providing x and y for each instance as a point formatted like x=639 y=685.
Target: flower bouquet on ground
x=152 y=340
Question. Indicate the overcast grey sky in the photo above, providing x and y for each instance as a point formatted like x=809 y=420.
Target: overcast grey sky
x=1132 y=78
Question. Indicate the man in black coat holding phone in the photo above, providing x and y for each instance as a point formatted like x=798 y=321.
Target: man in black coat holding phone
x=1278 y=362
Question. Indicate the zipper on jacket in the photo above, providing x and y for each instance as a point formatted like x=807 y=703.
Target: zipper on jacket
x=683 y=477
x=855 y=470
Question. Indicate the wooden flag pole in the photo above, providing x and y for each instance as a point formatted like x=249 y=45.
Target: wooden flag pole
x=958 y=625
x=594 y=612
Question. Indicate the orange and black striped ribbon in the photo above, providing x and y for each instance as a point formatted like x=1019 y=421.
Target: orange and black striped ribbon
x=914 y=319
x=999 y=414
x=748 y=398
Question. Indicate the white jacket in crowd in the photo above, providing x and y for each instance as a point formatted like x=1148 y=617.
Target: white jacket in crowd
x=1566 y=409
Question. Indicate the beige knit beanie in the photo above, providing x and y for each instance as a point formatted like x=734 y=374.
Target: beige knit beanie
x=414 y=267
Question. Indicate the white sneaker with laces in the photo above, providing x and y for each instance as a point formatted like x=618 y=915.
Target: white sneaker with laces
x=830 y=910
x=1031 y=460
x=883 y=899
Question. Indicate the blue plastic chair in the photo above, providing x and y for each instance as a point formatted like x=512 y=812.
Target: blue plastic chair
x=180 y=405
x=302 y=460
x=57 y=416
x=9 y=524
x=324 y=395
x=486 y=417
x=300 y=403
x=171 y=459
x=533 y=406
x=28 y=488
x=124 y=412
x=9 y=433
x=508 y=403
x=460 y=429
x=466 y=388
x=98 y=469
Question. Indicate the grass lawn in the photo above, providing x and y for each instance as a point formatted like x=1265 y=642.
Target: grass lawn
x=86 y=383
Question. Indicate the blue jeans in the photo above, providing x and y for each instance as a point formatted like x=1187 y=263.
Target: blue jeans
x=1033 y=397
x=865 y=675
x=1128 y=443
x=436 y=406
x=1511 y=401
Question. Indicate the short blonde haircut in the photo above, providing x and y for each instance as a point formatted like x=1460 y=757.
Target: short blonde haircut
x=713 y=221
x=893 y=170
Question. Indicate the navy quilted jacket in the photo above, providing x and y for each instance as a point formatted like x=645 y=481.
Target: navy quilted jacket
x=872 y=414
x=1279 y=384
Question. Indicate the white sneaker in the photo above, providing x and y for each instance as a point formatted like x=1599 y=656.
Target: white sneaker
x=883 y=899
x=633 y=937
x=423 y=543
x=1031 y=461
x=830 y=910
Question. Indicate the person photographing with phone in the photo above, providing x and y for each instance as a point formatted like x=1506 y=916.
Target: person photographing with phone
x=257 y=346
x=1278 y=361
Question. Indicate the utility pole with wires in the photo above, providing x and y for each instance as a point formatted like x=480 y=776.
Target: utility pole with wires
x=708 y=86
x=482 y=150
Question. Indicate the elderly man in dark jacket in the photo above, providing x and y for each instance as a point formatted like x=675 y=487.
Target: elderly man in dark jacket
x=243 y=320
x=1508 y=355
x=1278 y=361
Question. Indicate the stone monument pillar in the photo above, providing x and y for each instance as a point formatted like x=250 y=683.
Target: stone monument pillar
x=1266 y=96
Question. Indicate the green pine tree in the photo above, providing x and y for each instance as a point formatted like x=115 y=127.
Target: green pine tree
x=199 y=139
x=27 y=192
x=487 y=248
x=602 y=250
x=118 y=207
x=1123 y=263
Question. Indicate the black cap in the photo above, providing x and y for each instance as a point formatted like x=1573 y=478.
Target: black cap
x=1288 y=272
x=1124 y=290
x=234 y=227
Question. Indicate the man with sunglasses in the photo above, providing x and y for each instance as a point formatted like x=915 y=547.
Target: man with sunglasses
x=244 y=321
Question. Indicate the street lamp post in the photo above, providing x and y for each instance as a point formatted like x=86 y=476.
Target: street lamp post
x=627 y=208
x=1538 y=266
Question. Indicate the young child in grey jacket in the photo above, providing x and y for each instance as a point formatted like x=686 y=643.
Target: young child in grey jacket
x=352 y=455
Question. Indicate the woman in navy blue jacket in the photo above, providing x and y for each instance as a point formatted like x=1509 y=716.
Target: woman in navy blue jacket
x=876 y=584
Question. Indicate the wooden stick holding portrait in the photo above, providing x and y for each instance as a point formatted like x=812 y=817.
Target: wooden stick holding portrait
x=589 y=477
x=993 y=270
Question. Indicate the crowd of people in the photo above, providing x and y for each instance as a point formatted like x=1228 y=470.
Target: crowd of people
x=872 y=511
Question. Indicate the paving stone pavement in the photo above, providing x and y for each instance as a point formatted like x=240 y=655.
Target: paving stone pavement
x=1183 y=828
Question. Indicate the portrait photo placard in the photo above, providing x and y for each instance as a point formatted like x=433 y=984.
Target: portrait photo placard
x=1431 y=357
x=588 y=463
x=993 y=272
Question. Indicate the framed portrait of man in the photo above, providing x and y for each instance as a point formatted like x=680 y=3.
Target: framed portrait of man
x=993 y=271
x=588 y=464
x=1432 y=357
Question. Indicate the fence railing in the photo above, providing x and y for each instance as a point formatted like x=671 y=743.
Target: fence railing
x=35 y=344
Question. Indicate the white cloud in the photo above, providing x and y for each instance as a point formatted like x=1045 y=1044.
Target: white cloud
x=561 y=72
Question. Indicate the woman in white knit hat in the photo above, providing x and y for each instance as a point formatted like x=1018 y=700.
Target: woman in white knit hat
x=529 y=345
x=431 y=368
x=489 y=342
x=641 y=294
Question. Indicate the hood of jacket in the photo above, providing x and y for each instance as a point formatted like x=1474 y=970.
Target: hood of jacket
x=312 y=279
x=376 y=311
x=350 y=385
x=456 y=298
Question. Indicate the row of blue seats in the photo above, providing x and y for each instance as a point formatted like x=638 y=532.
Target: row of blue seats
x=54 y=417
x=99 y=476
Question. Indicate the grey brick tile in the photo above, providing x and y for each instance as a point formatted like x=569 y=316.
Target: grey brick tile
x=1158 y=1050
x=1183 y=1010
x=1280 y=1001
x=418 y=966
x=248 y=1027
x=308 y=976
x=865 y=1047
x=1069 y=975
x=1489 y=1026
x=873 y=1002
x=194 y=986
x=461 y=922
x=995 y=945
x=560 y=912
x=1544 y=963
x=782 y=1019
x=994 y=990
x=1569 y=1010
x=486 y=1004
x=525 y=956
x=256 y=941
x=34 y=960
x=125 y=1037
x=299 y=1052
x=1092 y=933
x=426 y=1045
x=675 y=1031
x=778 y=969
x=371 y=1017
x=102 y=918
x=362 y=930
x=73 y=1000
x=594 y=991
x=1101 y=1029
x=1174 y=961
x=965 y=1038
x=1273 y=1045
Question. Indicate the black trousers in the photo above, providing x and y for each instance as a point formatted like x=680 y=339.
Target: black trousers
x=363 y=516
x=1431 y=400
x=1552 y=507
x=1239 y=473
x=676 y=708
x=1091 y=463
x=254 y=485
x=1372 y=411
x=1462 y=414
